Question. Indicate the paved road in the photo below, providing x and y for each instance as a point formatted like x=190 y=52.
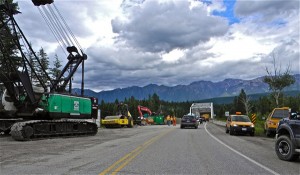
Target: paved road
x=146 y=150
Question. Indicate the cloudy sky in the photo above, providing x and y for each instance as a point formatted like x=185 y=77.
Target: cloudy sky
x=172 y=42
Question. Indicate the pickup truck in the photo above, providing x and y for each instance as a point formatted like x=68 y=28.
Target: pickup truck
x=287 y=145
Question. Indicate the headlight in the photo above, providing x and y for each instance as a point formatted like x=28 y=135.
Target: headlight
x=252 y=126
x=235 y=125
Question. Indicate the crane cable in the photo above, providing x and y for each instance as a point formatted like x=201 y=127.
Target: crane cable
x=58 y=26
x=53 y=32
x=54 y=26
x=68 y=27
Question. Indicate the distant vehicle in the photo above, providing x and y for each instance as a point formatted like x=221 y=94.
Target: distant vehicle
x=200 y=120
x=189 y=121
x=204 y=110
x=239 y=124
x=273 y=119
x=287 y=145
x=205 y=116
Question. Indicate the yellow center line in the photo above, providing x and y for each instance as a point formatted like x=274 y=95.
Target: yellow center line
x=133 y=154
x=122 y=159
x=127 y=161
x=138 y=152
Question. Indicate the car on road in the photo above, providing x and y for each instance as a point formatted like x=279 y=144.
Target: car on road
x=287 y=144
x=189 y=121
x=239 y=124
x=199 y=119
x=273 y=119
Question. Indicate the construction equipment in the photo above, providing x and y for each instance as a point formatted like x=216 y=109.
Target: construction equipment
x=145 y=118
x=159 y=119
x=121 y=119
x=33 y=104
x=149 y=117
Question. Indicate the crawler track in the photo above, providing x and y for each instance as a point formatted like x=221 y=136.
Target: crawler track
x=29 y=130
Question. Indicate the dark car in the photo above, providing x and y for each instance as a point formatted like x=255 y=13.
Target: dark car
x=287 y=145
x=189 y=121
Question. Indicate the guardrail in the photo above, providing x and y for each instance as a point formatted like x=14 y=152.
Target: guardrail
x=220 y=123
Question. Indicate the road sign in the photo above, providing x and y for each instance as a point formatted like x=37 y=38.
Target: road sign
x=253 y=118
x=227 y=113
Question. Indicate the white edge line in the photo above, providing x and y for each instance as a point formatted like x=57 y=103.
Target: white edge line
x=237 y=152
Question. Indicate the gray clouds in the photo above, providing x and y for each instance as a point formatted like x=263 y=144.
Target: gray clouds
x=266 y=9
x=162 y=27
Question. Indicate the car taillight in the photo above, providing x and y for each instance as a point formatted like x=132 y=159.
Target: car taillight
x=271 y=123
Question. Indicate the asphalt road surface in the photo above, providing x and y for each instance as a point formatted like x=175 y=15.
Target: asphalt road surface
x=146 y=150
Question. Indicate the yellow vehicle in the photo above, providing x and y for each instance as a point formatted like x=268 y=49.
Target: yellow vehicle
x=239 y=124
x=122 y=119
x=273 y=119
x=205 y=116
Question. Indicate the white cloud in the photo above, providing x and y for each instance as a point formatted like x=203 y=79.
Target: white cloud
x=173 y=56
x=238 y=46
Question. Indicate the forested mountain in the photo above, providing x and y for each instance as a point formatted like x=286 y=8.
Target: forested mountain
x=193 y=92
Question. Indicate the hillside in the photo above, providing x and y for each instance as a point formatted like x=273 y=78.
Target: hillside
x=193 y=92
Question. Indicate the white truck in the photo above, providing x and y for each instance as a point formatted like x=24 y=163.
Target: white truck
x=203 y=110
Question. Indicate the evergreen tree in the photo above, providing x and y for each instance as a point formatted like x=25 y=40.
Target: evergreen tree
x=33 y=63
x=156 y=103
x=244 y=101
x=8 y=47
x=56 y=70
x=44 y=60
x=238 y=102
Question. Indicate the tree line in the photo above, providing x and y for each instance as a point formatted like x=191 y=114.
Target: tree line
x=241 y=103
x=53 y=70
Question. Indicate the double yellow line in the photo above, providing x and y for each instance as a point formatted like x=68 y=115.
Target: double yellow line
x=121 y=163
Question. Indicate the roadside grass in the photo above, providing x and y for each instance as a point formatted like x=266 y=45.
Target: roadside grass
x=259 y=128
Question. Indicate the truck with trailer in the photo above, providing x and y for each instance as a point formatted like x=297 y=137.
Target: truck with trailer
x=203 y=110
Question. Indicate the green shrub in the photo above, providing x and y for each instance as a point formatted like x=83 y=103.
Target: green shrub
x=259 y=128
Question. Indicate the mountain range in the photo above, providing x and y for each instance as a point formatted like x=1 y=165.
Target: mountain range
x=195 y=91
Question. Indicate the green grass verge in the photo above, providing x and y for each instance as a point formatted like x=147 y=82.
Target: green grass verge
x=259 y=128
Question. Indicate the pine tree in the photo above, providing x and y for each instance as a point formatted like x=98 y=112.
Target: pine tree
x=245 y=101
x=33 y=63
x=8 y=47
x=56 y=70
x=44 y=60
